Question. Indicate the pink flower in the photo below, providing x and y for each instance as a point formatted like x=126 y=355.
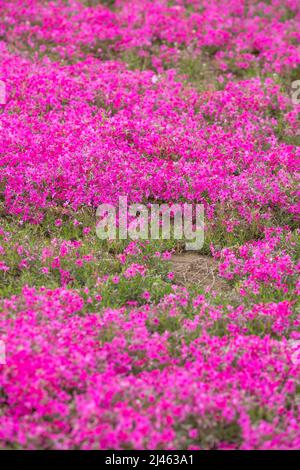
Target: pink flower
x=133 y=270
x=115 y=279
x=146 y=295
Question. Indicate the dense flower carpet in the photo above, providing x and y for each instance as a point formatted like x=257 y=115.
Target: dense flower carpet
x=184 y=101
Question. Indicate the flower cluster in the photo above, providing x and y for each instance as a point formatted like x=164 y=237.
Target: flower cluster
x=265 y=264
x=119 y=380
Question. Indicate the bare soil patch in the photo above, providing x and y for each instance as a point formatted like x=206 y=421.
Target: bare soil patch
x=194 y=269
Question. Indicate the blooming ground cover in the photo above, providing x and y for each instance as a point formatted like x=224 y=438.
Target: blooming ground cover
x=161 y=101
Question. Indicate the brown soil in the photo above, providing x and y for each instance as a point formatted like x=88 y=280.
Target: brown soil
x=194 y=269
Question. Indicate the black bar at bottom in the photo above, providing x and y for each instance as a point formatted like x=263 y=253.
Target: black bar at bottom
x=149 y=459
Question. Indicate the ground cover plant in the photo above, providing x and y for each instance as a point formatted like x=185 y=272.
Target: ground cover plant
x=132 y=344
